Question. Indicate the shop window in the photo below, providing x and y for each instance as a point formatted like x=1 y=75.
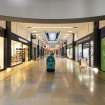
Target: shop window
x=25 y=53
x=69 y=53
x=103 y=54
x=16 y=53
x=79 y=52
x=86 y=52
x=1 y=53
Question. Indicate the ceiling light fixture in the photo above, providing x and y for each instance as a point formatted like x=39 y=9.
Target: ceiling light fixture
x=34 y=31
x=70 y=31
x=67 y=34
x=50 y=27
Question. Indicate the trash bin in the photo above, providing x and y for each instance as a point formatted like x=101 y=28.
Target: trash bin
x=51 y=63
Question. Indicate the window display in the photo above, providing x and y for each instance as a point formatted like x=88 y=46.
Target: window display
x=25 y=53
x=86 y=52
x=16 y=53
x=89 y=54
x=103 y=54
x=78 y=52
x=69 y=53
x=1 y=53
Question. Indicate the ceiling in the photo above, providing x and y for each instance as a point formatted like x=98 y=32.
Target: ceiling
x=52 y=9
x=66 y=30
x=79 y=29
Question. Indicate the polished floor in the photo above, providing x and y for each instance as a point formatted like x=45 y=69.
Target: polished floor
x=30 y=84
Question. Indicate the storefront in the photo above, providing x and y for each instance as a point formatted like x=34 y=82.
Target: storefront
x=85 y=49
x=19 y=50
x=103 y=49
x=13 y=49
x=1 y=48
x=16 y=53
x=25 y=54
x=69 y=51
x=1 y=53
x=78 y=52
x=86 y=53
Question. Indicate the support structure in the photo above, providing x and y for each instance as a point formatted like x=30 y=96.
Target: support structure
x=97 y=45
x=90 y=54
x=82 y=50
x=38 y=52
x=30 y=48
x=62 y=50
x=73 y=46
x=66 y=48
x=7 y=45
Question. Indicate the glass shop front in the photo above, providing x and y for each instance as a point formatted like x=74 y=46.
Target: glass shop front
x=19 y=53
x=1 y=53
x=85 y=51
x=16 y=53
x=78 y=52
x=70 y=53
x=25 y=53
x=88 y=49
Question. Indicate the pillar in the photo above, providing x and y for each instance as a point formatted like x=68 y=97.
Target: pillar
x=82 y=50
x=65 y=48
x=73 y=46
x=89 y=53
x=30 y=48
x=97 y=45
x=38 y=50
x=7 y=45
x=62 y=50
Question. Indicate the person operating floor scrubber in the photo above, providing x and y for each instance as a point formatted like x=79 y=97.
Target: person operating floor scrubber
x=51 y=63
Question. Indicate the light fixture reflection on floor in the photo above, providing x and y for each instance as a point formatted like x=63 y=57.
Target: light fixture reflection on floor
x=92 y=87
x=31 y=60
x=95 y=70
x=9 y=69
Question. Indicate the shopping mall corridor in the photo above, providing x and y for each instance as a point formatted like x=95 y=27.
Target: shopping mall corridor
x=30 y=84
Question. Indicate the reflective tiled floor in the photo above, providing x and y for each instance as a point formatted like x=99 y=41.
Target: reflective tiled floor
x=30 y=84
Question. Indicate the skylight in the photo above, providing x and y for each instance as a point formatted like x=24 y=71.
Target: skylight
x=52 y=36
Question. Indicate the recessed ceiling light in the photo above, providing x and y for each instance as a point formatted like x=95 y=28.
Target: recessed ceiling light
x=67 y=34
x=70 y=31
x=34 y=31
x=51 y=27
